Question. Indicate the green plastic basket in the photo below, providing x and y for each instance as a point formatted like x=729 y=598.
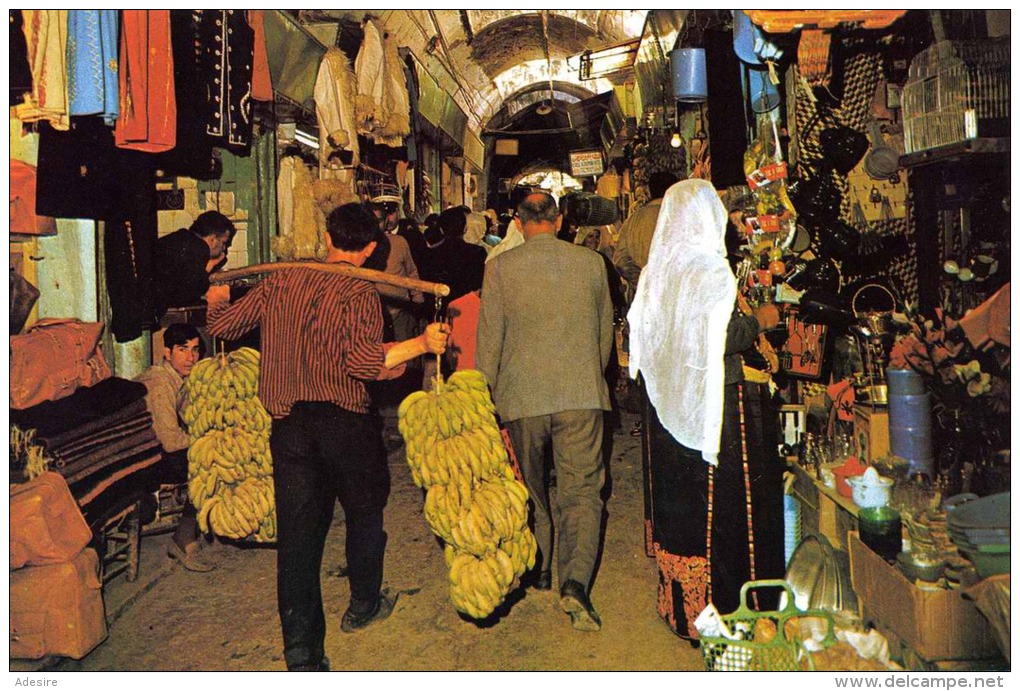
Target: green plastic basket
x=748 y=655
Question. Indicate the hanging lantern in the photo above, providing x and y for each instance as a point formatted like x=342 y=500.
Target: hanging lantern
x=689 y=73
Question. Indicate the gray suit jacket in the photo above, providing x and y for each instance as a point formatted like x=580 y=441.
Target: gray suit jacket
x=545 y=329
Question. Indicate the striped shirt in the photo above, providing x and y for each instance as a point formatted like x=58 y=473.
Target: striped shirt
x=321 y=338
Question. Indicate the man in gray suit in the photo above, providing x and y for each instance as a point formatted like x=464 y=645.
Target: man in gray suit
x=544 y=338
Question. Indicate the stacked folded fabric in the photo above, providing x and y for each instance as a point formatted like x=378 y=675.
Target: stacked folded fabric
x=96 y=437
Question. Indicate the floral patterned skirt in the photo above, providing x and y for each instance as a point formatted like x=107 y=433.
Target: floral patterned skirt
x=741 y=499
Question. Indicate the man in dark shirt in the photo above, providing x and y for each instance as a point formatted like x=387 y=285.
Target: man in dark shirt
x=186 y=257
x=322 y=339
x=453 y=261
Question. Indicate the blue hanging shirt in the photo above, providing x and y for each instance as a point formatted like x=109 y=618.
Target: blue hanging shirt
x=92 y=86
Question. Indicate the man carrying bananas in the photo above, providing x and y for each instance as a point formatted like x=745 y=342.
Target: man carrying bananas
x=321 y=342
x=164 y=383
x=545 y=331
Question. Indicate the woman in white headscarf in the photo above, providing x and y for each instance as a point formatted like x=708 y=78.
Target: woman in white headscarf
x=712 y=454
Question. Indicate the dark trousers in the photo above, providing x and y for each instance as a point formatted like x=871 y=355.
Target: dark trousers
x=322 y=453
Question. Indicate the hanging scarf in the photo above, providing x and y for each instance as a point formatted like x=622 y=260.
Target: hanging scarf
x=680 y=313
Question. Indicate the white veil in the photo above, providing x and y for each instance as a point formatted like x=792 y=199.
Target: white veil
x=680 y=313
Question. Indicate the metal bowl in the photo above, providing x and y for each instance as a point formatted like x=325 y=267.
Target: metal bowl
x=918 y=566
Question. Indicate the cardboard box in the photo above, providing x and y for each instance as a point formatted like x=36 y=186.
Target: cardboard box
x=935 y=624
x=57 y=610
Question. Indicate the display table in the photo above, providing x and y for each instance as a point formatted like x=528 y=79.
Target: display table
x=824 y=512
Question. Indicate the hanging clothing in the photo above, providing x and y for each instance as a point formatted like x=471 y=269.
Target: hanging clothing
x=382 y=105
x=298 y=236
x=334 y=109
x=261 y=79
x=680 y=313
x=397 y=106
x=213 y=51
x=92 y=86
x=130 y=243
x=148 y=112
x=226 y=55
x=46 y=38
x=21 y=72
x=76 y=170
x=370 y=70
x=23 y=217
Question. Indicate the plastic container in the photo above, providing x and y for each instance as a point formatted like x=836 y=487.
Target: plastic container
x=904 y=382
x=910 y=410
x=761 y=92
x=913 y=444
x=792 y=526
x=690 y=75
x=851 y=468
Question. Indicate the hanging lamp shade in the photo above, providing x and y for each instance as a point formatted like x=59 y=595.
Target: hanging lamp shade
x=689 y=74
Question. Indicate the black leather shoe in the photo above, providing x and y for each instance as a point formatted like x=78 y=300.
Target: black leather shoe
x=353 y=621
x=323 y=666
x=575 y=602
x=543 y=581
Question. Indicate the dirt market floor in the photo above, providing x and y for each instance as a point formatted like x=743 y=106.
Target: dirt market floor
x=174 y=620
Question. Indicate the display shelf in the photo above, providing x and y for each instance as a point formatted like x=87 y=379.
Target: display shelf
x=954 y=152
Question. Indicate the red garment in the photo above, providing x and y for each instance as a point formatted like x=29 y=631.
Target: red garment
x=261 y=80
x=23 y=218
x=321 y=338
x=148 y=106
x=987 y=322
x=464 y=324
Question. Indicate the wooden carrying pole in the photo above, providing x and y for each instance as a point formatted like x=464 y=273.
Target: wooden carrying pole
x=440 y=289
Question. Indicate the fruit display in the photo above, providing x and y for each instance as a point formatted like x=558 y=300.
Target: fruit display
x=230 y=470
x=474 y=501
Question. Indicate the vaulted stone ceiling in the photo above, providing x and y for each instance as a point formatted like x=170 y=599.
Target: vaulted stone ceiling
x=486 y=58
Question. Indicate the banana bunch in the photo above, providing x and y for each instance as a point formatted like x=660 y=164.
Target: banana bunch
x=230 y=469
x=474 y=502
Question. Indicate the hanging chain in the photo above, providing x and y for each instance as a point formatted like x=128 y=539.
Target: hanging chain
x=439 y=358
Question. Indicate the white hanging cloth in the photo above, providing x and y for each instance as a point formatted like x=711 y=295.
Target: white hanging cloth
x=334 y=109
x=382 y=105
x=680 y=314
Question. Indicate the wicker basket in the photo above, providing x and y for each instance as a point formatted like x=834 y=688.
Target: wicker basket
x=779 y=654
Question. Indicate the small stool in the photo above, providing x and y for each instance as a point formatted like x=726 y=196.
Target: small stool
x=118 y=543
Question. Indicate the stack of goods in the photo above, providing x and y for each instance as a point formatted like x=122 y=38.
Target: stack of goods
x=96 y=438
x=230 y=471
x=474 y=501
x=56 y=598
x=652 y=155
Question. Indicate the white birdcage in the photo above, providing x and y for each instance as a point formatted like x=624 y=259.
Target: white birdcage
x=956 y=90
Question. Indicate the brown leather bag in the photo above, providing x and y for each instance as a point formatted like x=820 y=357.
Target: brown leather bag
x=53 y=358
